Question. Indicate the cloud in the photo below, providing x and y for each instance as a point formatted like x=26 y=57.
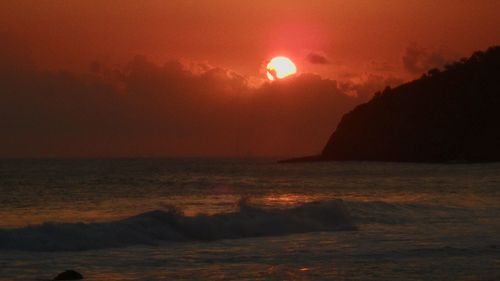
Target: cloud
x=417 y=60
x=172 y=109
x=363 y=87
x=317 y=58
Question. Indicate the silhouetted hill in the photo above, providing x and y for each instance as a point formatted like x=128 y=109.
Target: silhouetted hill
x=445 y=116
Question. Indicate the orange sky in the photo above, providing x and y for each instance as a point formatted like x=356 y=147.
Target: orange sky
x=241 y=34
x=364 y=45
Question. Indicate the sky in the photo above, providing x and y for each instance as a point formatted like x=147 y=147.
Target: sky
x=187 y=78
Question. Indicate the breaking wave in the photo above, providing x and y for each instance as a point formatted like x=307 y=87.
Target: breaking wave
x=172 y=226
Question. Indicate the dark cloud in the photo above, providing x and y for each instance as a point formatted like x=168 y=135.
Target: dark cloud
x=317 y=58
x=170 y=109
x=366 y=86
x=417 y=60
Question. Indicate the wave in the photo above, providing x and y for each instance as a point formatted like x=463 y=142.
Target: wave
x=171 y=225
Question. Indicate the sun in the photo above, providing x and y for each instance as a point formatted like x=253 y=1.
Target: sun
x=280 y=67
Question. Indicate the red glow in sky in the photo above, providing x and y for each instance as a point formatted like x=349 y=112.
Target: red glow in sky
x=189 y=77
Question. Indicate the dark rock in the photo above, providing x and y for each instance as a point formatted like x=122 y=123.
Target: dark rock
x=448 y=116
x=69 y=275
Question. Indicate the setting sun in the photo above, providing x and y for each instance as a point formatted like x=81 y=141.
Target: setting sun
x=280 y=67
x=249 y=140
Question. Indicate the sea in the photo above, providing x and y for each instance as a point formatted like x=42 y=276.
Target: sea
x=248 y=219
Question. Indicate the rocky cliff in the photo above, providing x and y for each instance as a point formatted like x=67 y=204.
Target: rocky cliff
x=445 y=116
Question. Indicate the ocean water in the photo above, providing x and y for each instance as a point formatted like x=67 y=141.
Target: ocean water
x=248 y=219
